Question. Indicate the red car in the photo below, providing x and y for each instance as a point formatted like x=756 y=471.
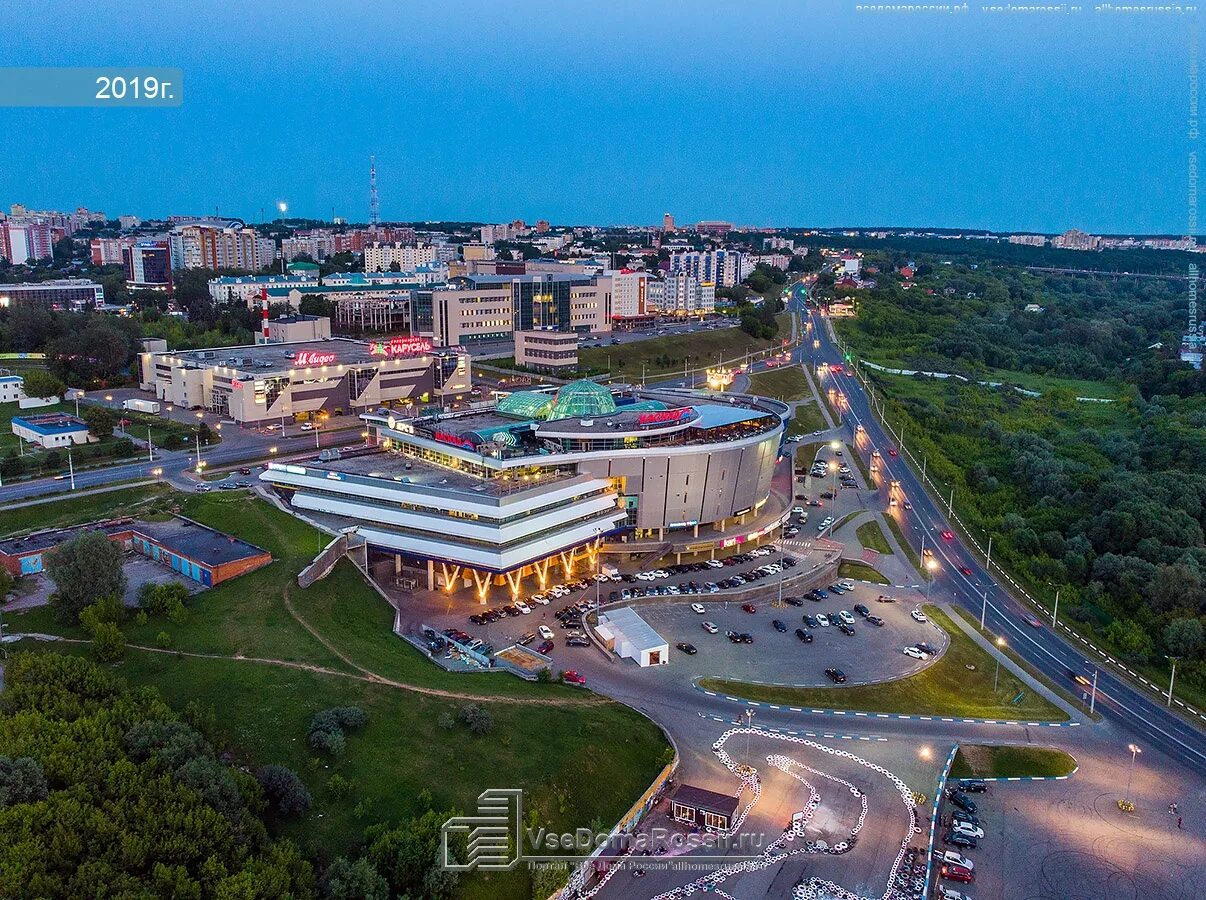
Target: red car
x=892 y=451
x=837 y=370
x=1033 y=622
x=749 y=607
x=958 y=873
x=948 y=535
x=966 y=570
x=572 y=677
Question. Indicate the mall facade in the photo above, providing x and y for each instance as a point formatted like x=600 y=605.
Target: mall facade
x=489 y=497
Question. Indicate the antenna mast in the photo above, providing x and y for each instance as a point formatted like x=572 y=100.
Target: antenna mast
x=374 y=203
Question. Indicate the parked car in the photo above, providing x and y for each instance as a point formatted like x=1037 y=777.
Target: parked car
x=545 y=632
x=846 y=617
x=926 y=648
x=572 y=677
x=837 y=676
x=523 y=607
x=846 y=629
x=968 y=829
x=749 y=608
x=709 y=627
x=957 y=873
x=959 y=839
x=961 y=800
x=918 y=616
x=544 y=647
x=697 y=608
x=688 y=649
x=811 y=621
x=779 y=626
x=823 y=620
x=804 y=636
x=876 y=621
x=862 y=610
x=951 y=858
x=972 y=785
x=793 y=601
x=915 y=653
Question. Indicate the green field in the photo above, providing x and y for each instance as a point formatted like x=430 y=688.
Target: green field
x=580 y=759
x=853 y=568
x=1010 y=761
x=667 y=355
x=872 y=537
x=68 y=510
x=806 y=419
x=785 y=383
x=960 y=683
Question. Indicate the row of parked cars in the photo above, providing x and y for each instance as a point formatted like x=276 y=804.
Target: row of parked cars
x=964 y=831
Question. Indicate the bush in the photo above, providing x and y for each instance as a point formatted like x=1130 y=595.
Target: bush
x=108 y=643
x=477 y=718
x=163 y=640
x=162 y=599
x=446 y=721
x=21 y=781
x=337 y=718
x=284 y=790
x=339 y=786
x=357 y=880
x=123 y=448
x=332 y=743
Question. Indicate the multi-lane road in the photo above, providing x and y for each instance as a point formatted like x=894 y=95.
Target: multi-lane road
x=1140 y=712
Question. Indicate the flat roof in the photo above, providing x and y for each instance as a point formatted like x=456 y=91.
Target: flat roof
x=277 y=357
x=716 y=415
x=51 y=423
x=635 y=630
x=702 y=798
x=411 y=471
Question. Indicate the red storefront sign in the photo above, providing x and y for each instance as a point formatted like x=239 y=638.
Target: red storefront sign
x=400 y=346
x=664 y=416
x=307 y=358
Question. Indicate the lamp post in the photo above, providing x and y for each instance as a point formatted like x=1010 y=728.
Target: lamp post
x=833 y=468
x=1172 y=679
x=1000 y=645
x=1135 y=751
x=930 y=566
x=1055 y=610
x=1093 y=696
x=598 y=565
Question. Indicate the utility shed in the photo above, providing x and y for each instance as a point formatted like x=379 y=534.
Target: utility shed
x=628 y=635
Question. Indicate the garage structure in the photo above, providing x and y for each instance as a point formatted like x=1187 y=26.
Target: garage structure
x=629 y=636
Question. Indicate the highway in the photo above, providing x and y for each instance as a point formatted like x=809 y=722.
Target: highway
x=1141 y=713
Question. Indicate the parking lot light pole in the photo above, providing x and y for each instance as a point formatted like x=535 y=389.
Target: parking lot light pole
x=1000 y=647
x=1135 y=751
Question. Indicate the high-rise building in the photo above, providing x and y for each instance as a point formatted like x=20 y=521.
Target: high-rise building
x=24 y=240
x=542 y=226
x=722 y=268
x=383 y=257
x=629 y=294
x=1073 y=239
x=108 y=251
x=687 y=295
x=148 y=265
x=220 y=245
x=667 y=222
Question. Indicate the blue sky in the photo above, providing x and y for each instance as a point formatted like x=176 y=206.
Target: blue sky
x=615 y=112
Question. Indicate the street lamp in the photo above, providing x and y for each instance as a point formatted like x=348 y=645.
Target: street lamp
x=833 y=469
x=1000 y=645
x=924 y=752
x=930 y=565
x=1135 y=751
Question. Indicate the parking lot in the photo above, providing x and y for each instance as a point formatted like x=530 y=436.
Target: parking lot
x=871 y=653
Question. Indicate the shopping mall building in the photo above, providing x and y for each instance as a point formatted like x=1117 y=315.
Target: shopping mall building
x=490 y=497
x=300 y=379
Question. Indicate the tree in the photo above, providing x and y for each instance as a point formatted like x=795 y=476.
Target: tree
x=284 y=790
x=101 y=420
x=21 y=781
x=1185 y=638
x=408 y=857
x=108 y=643
x=357 y=880
x=6 y=583
x=123 y=448
x=40 y=383
x=84 y=569
x=477 y=718
x=1130 y=638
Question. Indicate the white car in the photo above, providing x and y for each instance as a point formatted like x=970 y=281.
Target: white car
x=846 y=585
x=710 y=627
x=797 y=510
x=713 y=587
x=918 y=616
x=823 y=620
x=306 y=426
x=714 y=564
x=660 y=573
x=968 y=830
x=600 y=577
x=697 y=608
x=523 y=607
x=945 y=893
x=915 y=653
x=846 y=617
x=951 y=858
x=539 y=598
x=545 y=632
x=646 y=576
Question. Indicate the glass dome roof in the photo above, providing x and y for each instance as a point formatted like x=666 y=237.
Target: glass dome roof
x=581 y=399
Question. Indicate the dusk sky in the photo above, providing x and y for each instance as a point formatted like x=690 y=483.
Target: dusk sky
x=760 y=113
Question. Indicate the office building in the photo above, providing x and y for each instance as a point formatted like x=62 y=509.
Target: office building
x=668 y=222
x=487 y=308
x=716 y=229
x=108 y=251
x=148 y=265
x=546 y=351
x=629 y=294
x=75 y=294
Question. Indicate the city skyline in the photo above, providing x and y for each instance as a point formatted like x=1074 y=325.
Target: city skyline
x=1018 y=124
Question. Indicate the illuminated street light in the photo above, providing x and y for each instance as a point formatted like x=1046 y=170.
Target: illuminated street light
x=283 y=207
x=1000 y=646
x=925 y=752
x=1135 y=751
x=931 y=565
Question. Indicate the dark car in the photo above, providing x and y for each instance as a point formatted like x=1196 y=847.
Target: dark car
x=749 y=608
x=967 y=818
x=733 y=636
x=804 y=636
x=779 y=626
x=544 y=647
x=244 y=471
x=846 y=629
x=577 y=640
x=811 y=621
x=837 y=676
x=862 y=610
x=688 y=649
x=511 y=610
x=788 y=562
x=971 y=785
x=961 y=800
x=876 y=620
x=793 y=601
x=955 y=839
x=821 y=593
x=477 y=619
x=933 y=651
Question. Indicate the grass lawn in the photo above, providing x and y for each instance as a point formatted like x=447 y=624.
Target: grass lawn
x=959 y=684
x=806 y=419
x=666 y=355
x=1006 y=761
x=871 y=536
x=785 y=383
x=852 y=453
x=581 y=761
x=806 y=453
x=852 y=568
x=905 y=545
x=69 y=510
